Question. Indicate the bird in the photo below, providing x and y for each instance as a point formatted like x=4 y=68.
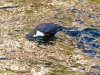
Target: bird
x=49 y=30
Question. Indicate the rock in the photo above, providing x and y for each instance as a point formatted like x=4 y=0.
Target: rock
x=1 y=42
x=6 y=7
x=3 y=58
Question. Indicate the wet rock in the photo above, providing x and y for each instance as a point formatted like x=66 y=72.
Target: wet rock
x=92 y=26
x=91 y=31
x=96 y=67
x=34 y=6
x=92 y=53
x=6 y=7
x=92 y=45
x=19 y=30
x=13 y=51
x=80 y=12
x=87 y=39
x=73 y=33
x=3 y=58
x=80 y=22
x=75 y=58
x=98 y=15
x=74 y=10
x=1 y=42
x=57 y=9
x=10 y=34
x=80 y=44
x=77 y=20
x=89 y=51
x=98 y=52
x=97 y=22
x=82 y=68
x=98 y=57
x=90 y=73
x=73 y=68
x=91 y=16
x=81 y=0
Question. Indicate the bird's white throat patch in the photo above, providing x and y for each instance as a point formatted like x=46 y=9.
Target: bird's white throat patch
x=38 y=33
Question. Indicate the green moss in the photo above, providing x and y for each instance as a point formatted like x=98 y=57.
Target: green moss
x=59 y=69
x=20 y=2
x=66 y=48
x=78 y=64
x=94 y=1
x=63 y=67
x=53 y=58
x=9 y=70
x=32 y=63
x=29 y=11
x=88 y=21
x=51 y=6
x=33 y=2
x=21 y=48
x=9 y=0
x=1 y=49
x=60 y=72
x=27 y=28
x=25 y=71
x=48 y=64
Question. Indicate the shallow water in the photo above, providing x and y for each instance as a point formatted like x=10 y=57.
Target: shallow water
x=87 y=36
x=90 y=42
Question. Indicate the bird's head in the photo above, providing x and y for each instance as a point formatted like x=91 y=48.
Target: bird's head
x=33 y=34
x=29 y=35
